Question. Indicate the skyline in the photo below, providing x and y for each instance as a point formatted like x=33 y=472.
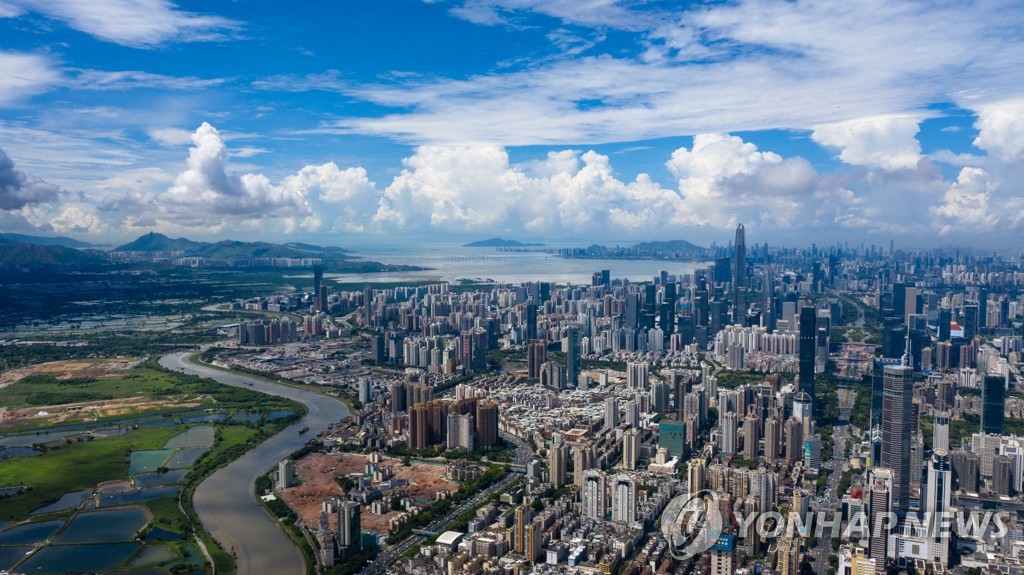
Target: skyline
x=556 y=121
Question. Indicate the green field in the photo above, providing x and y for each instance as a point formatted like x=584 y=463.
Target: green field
x=44 y=389
x=147 y=379
x=73 y=467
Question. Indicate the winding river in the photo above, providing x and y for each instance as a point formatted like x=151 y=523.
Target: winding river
x=225 y=502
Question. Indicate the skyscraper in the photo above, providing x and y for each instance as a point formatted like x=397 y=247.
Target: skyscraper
x=572 y=355
x=519 y=537
x=530 y=310
x=611 y=413
x=878 y=510
x=729 y=428
x=318 y=280
x=594 y=494
x=536 y=355
x=937 y=502
x=368 y=305
x=630 y=448
x=808 y=330
x=739 y=272
x=993 y=404
x=486 y=423
x=624 y=499
x=557 y=457
x=898 y=393
x=940 y=431
x=349 y=534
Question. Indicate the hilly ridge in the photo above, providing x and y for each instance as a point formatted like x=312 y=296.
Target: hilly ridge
x=230 y=249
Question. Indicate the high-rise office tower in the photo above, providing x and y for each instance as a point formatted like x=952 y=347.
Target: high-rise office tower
x=945 y=319
x=970 y=325
x=898 y=394
x=572 y=355
x=557 y=459
x=650 y=309
x=794 y=440
x=937 y=502
x=808 y=331
x=349 y=531
x=623 y=499
x=594 y=494
x=993 y=404
x=739 y=272
x=803 y=411
x=966 y=471
x=530 y=311
x=631 y=317
x=1002 y=475
x=769 y=300
x=318 y=280
x=878 y=514
x=678 y=384
x=368 y=305
x=486 y=423
x=940 y=431
x=536 y=355
x=630 y=449
x=982 y=308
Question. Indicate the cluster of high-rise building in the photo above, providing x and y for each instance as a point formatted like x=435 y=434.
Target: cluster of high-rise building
x=621 y=390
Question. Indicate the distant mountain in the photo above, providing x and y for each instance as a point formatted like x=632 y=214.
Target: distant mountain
x=154 y=242
x=230 y=249
x=669 y=246
x=46 y=240
x=20 y=254
x=500 y=243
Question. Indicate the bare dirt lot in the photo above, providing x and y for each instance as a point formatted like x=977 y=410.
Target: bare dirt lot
x=70 y=369
x=318 y=472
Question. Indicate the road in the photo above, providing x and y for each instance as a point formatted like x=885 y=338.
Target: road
x=225 y=502
x=830 y=501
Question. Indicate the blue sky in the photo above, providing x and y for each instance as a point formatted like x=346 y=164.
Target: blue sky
x=355 y=121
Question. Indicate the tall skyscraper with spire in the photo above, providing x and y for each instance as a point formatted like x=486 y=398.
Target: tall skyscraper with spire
x=808 y=327
x=739 y=271
x=739 y=277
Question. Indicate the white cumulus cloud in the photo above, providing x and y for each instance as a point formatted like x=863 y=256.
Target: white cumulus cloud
x=1001 y=130
x=207 y=190
x=886 y=142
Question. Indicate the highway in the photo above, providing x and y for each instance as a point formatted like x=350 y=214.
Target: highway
x=830 y=501
x=225 y=502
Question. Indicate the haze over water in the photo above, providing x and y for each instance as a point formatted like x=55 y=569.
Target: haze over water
x=452 y=262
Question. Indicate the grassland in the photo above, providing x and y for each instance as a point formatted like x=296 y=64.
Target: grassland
x=45 y=389
x=76 y=466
